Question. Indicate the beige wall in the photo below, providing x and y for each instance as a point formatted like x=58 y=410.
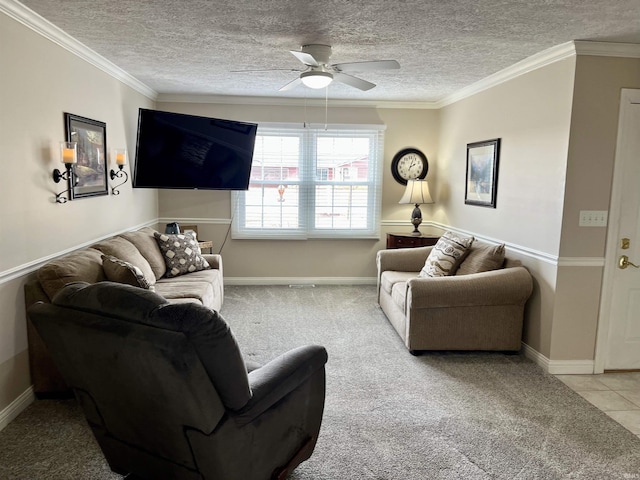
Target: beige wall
x=312 y=259
x=39 y=82
x=592 y=145
x=558 y=142
x=531 y=114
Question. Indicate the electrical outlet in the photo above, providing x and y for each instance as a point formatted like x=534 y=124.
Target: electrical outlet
x=593 y=218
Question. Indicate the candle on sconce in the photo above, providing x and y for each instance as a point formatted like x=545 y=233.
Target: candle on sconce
x=68 y=152
x=121 y=157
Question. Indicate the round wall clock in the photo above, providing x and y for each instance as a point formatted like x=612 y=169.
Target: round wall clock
x=409 y=164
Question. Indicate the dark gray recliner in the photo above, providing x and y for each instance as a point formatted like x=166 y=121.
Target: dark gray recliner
x=166 y=391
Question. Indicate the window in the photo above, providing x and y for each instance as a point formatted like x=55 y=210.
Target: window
x=312 y=183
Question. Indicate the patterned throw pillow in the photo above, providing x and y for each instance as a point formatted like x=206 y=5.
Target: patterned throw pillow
x=181 y=253
x=446 y=255
x=117 y=270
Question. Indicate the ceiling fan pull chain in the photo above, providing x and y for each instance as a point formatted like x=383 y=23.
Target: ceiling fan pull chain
x=304 y=120
x=326 y=107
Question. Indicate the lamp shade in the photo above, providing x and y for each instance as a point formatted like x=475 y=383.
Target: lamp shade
x=417 y=193
x=316 y=79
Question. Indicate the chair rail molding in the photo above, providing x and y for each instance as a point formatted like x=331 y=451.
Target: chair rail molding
x=29 y=267
x=519 y=249
x=192 y=220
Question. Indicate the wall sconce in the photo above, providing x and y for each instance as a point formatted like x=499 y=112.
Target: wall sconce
x=417 y=192
x=120 y=156
x=68 y=156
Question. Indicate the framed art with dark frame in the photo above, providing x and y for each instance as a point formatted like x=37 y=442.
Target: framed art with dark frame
x=482 y=173
x=91 y=168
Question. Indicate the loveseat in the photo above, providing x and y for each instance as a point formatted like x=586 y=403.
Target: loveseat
x=172 y=266
x=478 y=304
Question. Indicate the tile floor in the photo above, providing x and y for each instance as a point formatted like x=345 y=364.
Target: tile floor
x=616 y=394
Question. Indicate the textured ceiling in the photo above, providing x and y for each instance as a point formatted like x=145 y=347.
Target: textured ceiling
x=194 y=46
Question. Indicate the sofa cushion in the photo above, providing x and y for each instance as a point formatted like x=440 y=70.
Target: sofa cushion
x=390 y=277
x=482 y=258
x=399 y=295
x=119 y=271
x=200 y=291
x=81 y=266
x=181 y=253
x=146 y=244
x=209 y=275
x=125 y=250
x=446 y=255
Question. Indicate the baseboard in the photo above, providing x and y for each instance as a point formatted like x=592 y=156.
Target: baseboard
x=559 y=367
x=16 y=407
x=571 y=367
x=300 y=280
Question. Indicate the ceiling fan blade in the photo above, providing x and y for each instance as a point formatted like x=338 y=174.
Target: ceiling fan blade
x=367 y=66
x=265 y=70
x=305 y=58
x=353 y=81
x=292 y=84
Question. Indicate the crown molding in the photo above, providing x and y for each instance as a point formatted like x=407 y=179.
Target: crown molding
x=607 y=49
x=539 y=60
x=542 y=59
x=38 y=24
x=289 y=101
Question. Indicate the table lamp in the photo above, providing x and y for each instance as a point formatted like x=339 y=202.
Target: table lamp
x=417 y=193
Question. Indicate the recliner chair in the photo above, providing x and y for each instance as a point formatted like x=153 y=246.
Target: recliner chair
x=167 y=394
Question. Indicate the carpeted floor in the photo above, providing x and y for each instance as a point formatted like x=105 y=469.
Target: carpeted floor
x=389 y=415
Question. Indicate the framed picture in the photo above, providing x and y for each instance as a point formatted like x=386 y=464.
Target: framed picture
x=482 y=173
x=91 y=169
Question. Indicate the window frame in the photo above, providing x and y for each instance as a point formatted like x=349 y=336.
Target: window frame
x=308 y=181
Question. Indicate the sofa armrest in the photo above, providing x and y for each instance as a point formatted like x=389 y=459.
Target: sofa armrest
x=507 y=286
x=214 y=260
x=278 y=378
x=402 y=259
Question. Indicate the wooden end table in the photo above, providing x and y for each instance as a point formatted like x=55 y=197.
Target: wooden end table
x=406 y=240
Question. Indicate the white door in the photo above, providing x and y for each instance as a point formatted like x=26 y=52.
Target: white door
x=621 y=292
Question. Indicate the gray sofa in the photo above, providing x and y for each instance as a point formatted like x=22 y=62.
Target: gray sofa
x=462 y=311
x=134 y=258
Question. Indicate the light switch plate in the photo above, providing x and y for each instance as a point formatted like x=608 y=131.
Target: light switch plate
x=593 y=218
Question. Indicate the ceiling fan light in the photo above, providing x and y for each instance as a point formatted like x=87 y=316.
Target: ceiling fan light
x=316 y=79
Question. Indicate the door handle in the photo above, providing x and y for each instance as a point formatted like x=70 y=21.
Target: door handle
x=623 y=262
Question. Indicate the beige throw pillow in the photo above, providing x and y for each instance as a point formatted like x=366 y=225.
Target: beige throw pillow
x=181 y=253
x=446 y=255
x=117 y=270
x=482 y=258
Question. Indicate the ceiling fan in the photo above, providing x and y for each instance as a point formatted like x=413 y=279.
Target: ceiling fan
x=320 y=73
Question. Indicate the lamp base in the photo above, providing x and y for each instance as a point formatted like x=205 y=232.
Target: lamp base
x=416 y=220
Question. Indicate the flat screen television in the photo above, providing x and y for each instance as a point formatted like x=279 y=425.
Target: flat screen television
x=175 y=150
